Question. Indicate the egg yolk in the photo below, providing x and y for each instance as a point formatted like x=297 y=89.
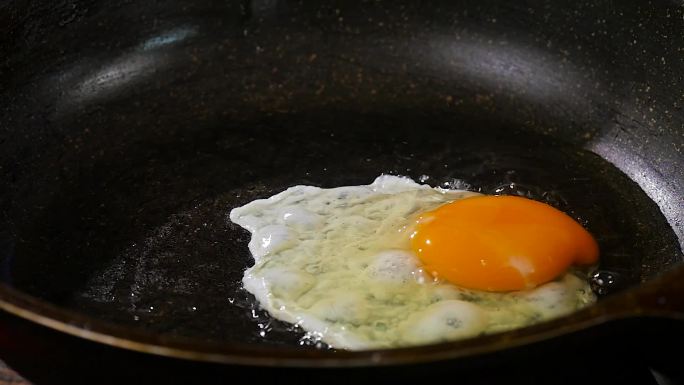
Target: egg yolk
x=500 y=243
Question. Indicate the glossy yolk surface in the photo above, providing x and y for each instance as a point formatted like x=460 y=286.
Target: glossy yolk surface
x=500 y=243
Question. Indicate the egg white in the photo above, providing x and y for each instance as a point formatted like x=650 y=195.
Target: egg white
x=338 y=263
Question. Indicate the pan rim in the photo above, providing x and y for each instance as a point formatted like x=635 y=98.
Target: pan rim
x=619 y=306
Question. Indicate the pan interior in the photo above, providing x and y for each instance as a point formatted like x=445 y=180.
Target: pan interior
x=139 y=234
x=126 y=140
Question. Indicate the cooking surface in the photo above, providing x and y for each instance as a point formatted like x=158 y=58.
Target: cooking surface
x=126 y=127
x=149 y=244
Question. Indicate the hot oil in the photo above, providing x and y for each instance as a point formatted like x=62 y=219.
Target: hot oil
x=180 y=267
x=267 y=327
x=602 y=281
x=144 y=287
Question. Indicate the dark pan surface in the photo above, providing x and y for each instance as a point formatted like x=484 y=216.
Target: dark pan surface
x=182 y=275
x=126 y=140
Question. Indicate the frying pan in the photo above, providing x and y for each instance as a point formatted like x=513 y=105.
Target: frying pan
x=128 y=130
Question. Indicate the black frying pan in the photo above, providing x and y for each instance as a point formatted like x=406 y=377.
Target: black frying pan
x=128 y=130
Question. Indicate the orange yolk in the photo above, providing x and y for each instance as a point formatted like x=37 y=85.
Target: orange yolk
x=500 y=243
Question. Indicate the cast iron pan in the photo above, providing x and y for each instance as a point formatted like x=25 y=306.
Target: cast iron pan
x=130 y=129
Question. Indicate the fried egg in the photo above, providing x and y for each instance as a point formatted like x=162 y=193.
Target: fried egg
x=397 y=263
